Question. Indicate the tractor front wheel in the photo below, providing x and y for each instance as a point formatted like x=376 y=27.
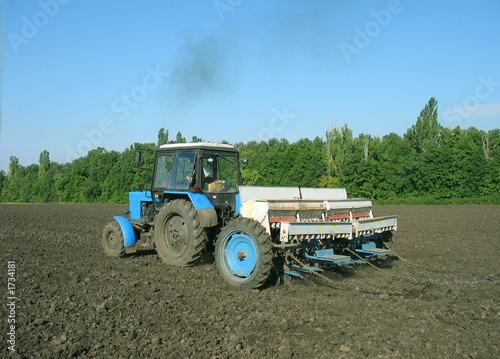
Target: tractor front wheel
x=112 y=240
x=243 y=254
x=179 y=236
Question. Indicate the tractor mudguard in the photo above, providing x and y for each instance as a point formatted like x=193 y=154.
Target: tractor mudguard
x=127 y=230
x=206 y=211
x=199 y=201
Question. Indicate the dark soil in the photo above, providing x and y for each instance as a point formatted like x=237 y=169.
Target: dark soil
x=440 y=299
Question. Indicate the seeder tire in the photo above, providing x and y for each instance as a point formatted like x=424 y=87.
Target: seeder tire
x=243 y=254
x=179 y=237
x=112 y=240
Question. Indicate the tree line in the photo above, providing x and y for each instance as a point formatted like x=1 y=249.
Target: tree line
x=429 y=164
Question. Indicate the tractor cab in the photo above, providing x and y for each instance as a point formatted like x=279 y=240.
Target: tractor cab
x=210 y=169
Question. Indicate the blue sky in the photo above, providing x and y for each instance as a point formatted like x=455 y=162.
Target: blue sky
x=81 y=74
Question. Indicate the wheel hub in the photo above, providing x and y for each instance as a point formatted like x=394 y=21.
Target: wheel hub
x=176 y=235
x=112 y=242
x=240 y=254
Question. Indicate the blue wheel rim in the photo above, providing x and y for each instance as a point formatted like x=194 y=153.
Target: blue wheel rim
x=240 y=254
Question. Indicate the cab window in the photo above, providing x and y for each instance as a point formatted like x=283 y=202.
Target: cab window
x=219 y=173
x=164 y=169
x=183 y=171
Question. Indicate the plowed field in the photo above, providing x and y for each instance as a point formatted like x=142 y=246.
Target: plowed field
x=439 y=299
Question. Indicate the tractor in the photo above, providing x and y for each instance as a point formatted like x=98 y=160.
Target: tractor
x=197 y=201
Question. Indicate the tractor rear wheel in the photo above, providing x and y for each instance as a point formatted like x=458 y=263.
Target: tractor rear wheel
x=243 y=254
x=112 y=240
x=179 y=236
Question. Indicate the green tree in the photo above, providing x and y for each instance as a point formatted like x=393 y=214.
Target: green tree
x=197 y=139
x=162 y=137
x=339 y=148
x=179 y=138
x=429 y=164
x=425 y=133
x=327 y=181
x=14 y=168
x=45 y=182
x=397 y=163
x=44 y=162
x=3 y=180
x=490 y=186
x=306 y=161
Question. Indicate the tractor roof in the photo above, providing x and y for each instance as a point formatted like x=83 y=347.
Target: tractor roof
x=197 y=145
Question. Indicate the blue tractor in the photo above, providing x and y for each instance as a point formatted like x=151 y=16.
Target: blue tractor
x=197 y=198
